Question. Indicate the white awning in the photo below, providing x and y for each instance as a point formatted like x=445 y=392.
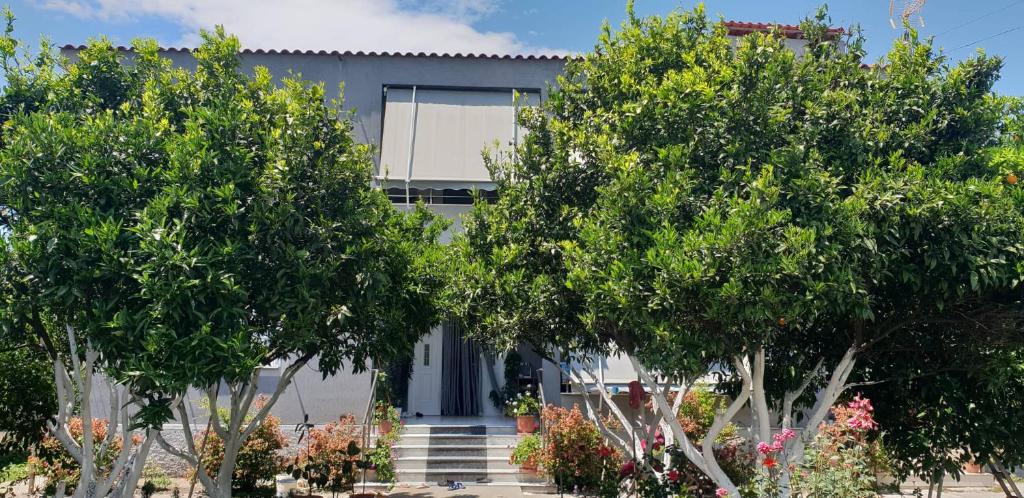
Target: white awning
x=438 y=137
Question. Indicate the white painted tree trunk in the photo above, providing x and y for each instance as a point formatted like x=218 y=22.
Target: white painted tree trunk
x=752 y=372
x=121 y=477
x=233 y=431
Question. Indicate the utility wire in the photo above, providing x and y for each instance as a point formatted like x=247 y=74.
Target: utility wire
x=976 y=19
x=1001 y=33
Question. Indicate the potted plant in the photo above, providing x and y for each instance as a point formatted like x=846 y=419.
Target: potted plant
x=386 y=417
x=526 y=452
x=524 y=407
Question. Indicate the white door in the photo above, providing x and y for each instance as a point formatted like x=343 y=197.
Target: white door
x=425 y=385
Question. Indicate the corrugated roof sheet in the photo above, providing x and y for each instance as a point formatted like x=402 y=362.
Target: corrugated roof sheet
x=349 y=53
x=735 y=28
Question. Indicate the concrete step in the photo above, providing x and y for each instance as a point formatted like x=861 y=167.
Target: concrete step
x=483 y=464
x=467 y=450
x=458 y=439
x=539 y=487
x=474 y=430
x=467 y=476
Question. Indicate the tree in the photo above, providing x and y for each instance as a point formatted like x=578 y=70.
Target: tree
x=39 y=309
x=188 y=227
x=748 y=211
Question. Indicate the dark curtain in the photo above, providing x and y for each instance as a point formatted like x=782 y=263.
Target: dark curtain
x=460 y=390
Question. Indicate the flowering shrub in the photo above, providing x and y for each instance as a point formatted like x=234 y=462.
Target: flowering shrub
x=54 y=463
x=524 y=403
x=257 y=458
x=575 y=454
x=843 y=460
x=333 y=451
x=840 y=462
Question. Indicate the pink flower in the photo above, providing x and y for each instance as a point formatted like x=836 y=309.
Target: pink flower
x=777 y=446
x=788 y=434
x=764 y=448
x=721 y=492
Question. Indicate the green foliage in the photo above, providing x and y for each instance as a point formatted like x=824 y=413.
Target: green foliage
x=157 y=477
x=258 y=459
x=27 y=395
x=527 y=450
x=12 y=472
x=684 y=199
x=842 y=461
x=328 y=461
x=53 y=462
x=524 y=403
x=384 y=412
x=575 y=455
x=194 y=225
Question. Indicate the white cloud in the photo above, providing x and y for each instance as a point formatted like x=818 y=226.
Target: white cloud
x=379 y=25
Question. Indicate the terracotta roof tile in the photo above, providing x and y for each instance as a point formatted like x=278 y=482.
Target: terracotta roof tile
x=737 y=28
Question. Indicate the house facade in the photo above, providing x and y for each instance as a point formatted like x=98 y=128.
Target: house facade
x=429 y=117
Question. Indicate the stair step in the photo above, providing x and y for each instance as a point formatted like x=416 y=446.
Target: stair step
x=435 y=450
x=474 y=430
x=466 y=476
x=441 y=442
x=482 y=464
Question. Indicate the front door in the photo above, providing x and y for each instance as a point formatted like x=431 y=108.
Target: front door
x=425 y=384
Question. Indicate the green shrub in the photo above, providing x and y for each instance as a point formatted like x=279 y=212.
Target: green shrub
x=575 y=455
x=155 y=475
x=258 y=459
x=54 y=463
x=527 y=451
x=14 y=472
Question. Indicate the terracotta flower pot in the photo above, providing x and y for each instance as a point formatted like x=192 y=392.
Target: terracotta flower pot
x=384 y=427
x=529 y=467
x=526 y=424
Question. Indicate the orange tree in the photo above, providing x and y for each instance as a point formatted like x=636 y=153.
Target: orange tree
x=705 y=206
x=184 y=227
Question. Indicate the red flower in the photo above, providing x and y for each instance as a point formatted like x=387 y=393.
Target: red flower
x=770 y=462
x=604 y=451
x=628 y=469
x=673 y=475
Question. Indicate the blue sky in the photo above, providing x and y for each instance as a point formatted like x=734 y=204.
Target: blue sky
x=502 y=26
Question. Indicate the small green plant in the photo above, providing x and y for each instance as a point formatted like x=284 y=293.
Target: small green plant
x=525 y=403
x=527 y=451
x=384 y=412
x=157 y=476
x=381 y=457
x=15 y=472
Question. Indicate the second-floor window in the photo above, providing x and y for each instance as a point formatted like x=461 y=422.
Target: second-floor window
x=433 y=141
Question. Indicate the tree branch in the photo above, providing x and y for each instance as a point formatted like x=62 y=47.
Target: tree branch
x=790 y=397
